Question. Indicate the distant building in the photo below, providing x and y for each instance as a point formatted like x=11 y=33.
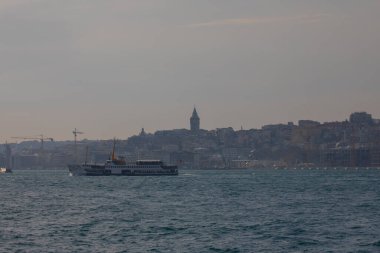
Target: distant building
x=185 y=159
x=194 y=121
x=242 y=164
x=308 y=123
x=23 y=161
x=358 y=155
x=361 y=118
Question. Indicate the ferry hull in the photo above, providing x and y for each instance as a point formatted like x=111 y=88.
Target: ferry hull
x=100 y=170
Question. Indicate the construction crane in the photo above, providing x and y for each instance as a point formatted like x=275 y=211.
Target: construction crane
x=42 y=139
x=38 y=137
x=76 y=132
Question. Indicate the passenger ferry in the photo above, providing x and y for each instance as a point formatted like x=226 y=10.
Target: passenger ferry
x=138 y=168
x=119 y=167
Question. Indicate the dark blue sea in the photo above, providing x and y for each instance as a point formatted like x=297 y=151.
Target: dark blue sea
x=263 y=210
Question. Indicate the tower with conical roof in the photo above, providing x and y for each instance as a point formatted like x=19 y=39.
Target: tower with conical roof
x=194 y=121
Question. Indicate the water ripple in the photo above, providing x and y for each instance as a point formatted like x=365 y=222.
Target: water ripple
x=198 y=211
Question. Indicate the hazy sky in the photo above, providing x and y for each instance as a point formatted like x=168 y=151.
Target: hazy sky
x=110 y=67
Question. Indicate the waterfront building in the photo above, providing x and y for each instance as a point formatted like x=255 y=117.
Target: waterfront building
x=184 y=159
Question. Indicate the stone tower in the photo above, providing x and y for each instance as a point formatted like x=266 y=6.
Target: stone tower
x=194 y=121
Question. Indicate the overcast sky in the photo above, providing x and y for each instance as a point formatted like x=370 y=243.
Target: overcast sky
x=110 y=67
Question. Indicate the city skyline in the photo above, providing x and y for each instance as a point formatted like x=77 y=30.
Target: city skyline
x=350 y=143
x=110 y=68
x=194 y=125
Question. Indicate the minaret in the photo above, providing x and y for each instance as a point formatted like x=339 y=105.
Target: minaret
x=194 y=121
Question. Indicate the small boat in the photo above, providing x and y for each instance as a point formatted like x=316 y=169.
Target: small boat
x=5 y=170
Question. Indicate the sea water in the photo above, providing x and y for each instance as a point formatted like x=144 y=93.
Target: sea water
x=263 y=210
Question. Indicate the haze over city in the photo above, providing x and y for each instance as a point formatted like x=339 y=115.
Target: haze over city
x=111 y=67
